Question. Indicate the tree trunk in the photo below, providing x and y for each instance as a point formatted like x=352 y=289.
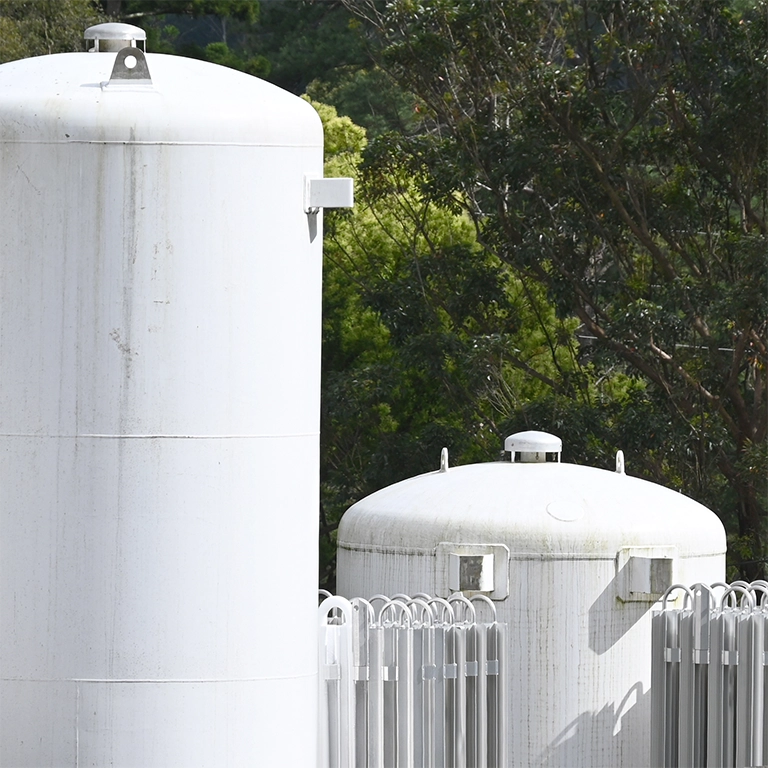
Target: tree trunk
x=750 y=514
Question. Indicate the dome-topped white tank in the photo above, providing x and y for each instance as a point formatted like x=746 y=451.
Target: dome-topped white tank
x=576 y=558
x=160 y=297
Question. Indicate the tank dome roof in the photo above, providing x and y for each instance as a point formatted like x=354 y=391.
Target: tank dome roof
x=536 y=508
x=72 y=97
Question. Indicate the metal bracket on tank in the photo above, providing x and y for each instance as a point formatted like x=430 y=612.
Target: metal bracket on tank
x=480 y=568
x=643 y=574
x=327 y=193
x=130 y=66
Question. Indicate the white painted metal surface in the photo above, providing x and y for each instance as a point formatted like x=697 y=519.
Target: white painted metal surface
x=411 y=682
x=159 y=415
x=580 y=557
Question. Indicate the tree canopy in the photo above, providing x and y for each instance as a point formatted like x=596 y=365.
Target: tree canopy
x=615 y=155
x=428 y=340
x=141 y=10
x=300 y=45
x=45 y=26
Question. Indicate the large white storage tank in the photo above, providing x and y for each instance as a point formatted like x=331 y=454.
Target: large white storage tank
x=575 y=557
x=159 y=412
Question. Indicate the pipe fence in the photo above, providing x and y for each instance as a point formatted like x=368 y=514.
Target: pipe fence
x=709 y=677
x=412 y=681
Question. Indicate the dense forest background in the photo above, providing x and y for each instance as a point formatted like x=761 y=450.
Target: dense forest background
x=560 y=225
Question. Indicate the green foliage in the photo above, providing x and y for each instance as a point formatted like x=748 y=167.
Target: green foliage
x=319 y=48
x=243 y=10
x=222 y=54
x=368 y=96
x=307 y=41
x=44 y=26
x=428 y=341
x=211 y=30
x=300 y=45
x=614 y=154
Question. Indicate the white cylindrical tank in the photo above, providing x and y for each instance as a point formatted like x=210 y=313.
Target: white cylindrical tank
x=575 y=557
x=160 y=293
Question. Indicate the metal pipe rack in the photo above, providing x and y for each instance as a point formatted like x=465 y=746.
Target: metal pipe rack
x=411 y=681
x=710 y=676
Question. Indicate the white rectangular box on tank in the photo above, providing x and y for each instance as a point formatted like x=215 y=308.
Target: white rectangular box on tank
x=576 y=558
x=160 y=301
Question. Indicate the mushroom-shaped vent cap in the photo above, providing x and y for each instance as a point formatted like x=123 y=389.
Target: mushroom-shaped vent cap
x=533 y=446
x=113 y=36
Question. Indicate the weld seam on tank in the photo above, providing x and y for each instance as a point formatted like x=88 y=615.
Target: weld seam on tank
x=152 y=680
x=382 y=550
x=517 y=556
x=162 y=437
x=129 y=142
x=379 y=550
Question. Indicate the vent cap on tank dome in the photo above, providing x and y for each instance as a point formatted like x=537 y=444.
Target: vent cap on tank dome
x=533 y=447
x=113 y=36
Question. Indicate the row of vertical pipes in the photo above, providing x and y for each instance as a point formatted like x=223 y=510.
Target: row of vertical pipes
x=411 y=681
x=710 y=677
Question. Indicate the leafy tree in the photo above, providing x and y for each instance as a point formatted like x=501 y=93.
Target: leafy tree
x=318 y=48
x=300 y=45
x=43 y=27
x=427 y=342
x=368 y=96
x=212 y=30
x=614 y=154
x=245 y=10
x=308 y=40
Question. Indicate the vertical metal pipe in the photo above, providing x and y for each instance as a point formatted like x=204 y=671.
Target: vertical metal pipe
x=757 y=701
x=376 y=697
x=460 y=723
x=685 y=721
x=364 y=620
x=487 y=672
x=658 y=688
x=471 y=703
x=723 y=741
x=450 y=697
x=481 y=724
x=337 y=684
x=441 y=702
x=672 y=656
x=429 y=685
x=389 y=674
x=443 y=720
x=745 y=689
x=715 y=683
x=502 y=694
x=703 y=605
x=405 y=696
x=764 y=680
x=421 y=616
